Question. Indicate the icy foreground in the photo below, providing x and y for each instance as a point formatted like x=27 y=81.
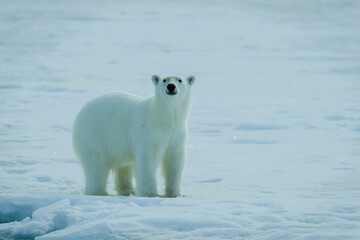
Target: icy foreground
x=255 y=217
x=273 y=151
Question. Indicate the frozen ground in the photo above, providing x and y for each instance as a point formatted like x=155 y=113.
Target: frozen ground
x=274 y=145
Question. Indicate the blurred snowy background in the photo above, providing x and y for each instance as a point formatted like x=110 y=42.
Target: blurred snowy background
x=274 y=143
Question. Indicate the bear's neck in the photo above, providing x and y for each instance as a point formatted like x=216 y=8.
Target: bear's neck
x=171 y=112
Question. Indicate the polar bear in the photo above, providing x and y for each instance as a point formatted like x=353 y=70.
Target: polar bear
x=131 y=135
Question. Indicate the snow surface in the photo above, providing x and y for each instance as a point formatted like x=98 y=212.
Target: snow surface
x=274 y=143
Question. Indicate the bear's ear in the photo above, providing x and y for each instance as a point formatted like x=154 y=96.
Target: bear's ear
x=191 y=80
x=155 y=79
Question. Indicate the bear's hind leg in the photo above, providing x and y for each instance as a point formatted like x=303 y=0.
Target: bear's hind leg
x=96 y=176
x=123 y=181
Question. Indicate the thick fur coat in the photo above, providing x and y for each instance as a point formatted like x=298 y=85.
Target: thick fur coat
x=132 y=136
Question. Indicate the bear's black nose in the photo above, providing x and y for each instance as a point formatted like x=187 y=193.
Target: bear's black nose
x=171 y=87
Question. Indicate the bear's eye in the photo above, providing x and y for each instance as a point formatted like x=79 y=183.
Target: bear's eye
x=180 y=80
x=164 y=80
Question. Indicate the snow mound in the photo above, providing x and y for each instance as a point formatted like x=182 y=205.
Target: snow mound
x=90 y=217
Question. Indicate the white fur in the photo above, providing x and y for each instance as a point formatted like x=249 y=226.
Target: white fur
x=133 y=135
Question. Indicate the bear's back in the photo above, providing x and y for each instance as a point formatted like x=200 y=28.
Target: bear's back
x=103 y=124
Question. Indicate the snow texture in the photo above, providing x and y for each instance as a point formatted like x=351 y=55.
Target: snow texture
x=274 y=144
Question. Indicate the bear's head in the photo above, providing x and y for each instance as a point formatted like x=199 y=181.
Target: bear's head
x=173 y=87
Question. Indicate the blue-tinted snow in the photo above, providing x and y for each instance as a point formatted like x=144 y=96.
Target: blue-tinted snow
x=273 y=150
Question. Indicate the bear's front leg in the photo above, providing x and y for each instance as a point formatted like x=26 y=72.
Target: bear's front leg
x=173 y=165
x=145 y=175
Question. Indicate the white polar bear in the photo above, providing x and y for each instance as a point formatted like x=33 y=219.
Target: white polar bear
x=130 y=134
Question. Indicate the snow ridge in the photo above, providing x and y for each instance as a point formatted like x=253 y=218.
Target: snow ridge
x=89 y=217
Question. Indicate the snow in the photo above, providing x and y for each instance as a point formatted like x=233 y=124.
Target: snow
x=77 y=217
x=273 y=149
